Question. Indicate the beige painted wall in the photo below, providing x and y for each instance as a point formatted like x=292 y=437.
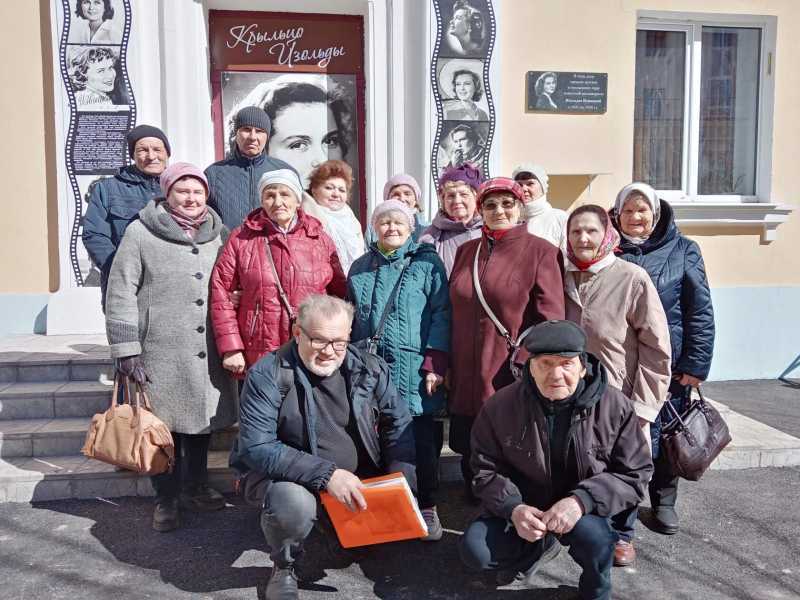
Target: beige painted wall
x=599 y=35
x=26 y=265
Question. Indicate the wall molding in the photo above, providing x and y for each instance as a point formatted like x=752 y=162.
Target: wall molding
x=713 y=214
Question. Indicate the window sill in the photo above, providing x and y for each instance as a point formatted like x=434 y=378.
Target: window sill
x=749 y=214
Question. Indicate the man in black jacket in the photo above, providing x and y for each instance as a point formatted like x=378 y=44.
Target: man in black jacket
x=233 y=181
x=555 y=455
x=318 y=415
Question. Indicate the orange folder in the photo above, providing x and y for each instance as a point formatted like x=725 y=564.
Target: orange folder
x=392 y=514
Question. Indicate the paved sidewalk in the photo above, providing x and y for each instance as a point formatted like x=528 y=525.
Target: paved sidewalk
x=739 y=541
x=769 y=401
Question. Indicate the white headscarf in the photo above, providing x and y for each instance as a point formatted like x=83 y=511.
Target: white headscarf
x=342 y=226
x=652 y=199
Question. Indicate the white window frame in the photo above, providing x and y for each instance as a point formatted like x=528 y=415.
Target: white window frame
x=692 y=25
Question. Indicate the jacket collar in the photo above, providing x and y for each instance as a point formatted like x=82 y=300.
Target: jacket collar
x=159 y=222
x=258 y=221
x=443 y=222
x=131 y=174
x=247 y=161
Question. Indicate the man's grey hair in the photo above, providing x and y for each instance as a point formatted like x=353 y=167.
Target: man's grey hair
x=320 y=305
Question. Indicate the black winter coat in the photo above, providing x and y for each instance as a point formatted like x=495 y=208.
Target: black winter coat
x=608 y=464
x=676 y=267
x=233 y=185
x=277 y=436
x=114 y=202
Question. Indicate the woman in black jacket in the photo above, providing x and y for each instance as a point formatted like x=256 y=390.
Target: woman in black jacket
x=651 y=240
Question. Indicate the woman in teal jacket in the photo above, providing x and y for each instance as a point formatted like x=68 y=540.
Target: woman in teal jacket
x=415 y=340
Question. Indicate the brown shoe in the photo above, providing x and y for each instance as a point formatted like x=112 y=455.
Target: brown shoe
x=624 y=554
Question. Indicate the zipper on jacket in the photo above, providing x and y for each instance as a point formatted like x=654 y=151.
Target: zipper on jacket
x=255 y=318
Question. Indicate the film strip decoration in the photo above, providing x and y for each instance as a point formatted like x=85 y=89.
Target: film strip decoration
x=102 y=108
x=462 y=52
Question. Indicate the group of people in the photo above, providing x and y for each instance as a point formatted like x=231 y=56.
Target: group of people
x=550 y=340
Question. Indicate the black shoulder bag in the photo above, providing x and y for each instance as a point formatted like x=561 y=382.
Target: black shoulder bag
x=370 y=344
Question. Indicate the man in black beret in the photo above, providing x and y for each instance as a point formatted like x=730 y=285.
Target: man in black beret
x=233 y=181
x=555 y=455
x=114 y=202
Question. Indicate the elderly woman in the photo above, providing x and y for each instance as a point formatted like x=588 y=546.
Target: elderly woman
x=458 y=220
x=651 y=240
x=520 y=279
x=276 y=258
x=400 y=292
x=404 y=188
x=330 y=187
x=94 y=23
x=158 y=325
x=543 y=220
x=617 y=305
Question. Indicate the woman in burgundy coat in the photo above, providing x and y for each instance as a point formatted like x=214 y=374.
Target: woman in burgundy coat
x=305 y=261
x=521 y=277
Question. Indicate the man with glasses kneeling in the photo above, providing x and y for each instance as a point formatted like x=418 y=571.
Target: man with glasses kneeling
x=318 y=414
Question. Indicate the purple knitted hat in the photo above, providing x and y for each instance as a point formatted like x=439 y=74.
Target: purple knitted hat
x=402 y=179
x=467 y=173
x=177 y=171
x=392 y=206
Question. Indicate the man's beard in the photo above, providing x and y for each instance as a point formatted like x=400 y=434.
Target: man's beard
x=326 y=371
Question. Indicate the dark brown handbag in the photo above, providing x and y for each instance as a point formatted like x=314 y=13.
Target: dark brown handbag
x=693 y=440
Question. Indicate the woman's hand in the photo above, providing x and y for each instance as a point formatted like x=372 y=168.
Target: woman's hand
x=233 y=362
x=432 y=383
x=686 y=379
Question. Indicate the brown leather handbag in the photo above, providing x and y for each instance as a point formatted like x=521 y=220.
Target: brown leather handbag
x=693 y=440
x=129 y=435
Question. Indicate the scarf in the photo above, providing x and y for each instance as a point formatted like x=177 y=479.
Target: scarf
x=495 y=234
x=606 y=250
x=652 y=199
x=190 y=225
x=536 y=208
x=345 y=231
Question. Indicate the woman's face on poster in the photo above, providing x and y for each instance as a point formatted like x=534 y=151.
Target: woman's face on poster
x=459 y=24
x=93 y=9
x=464 y=86
x=100 y=76
x=305 y=135
x=549 y=85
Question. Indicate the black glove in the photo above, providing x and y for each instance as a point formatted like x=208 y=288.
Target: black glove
x=133 y=367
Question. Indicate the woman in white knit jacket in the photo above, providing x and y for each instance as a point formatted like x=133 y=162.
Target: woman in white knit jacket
x=543 y=220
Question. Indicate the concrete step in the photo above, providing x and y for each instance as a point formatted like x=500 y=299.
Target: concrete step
x=40 y=367
x=54 y=399
x=30 y=438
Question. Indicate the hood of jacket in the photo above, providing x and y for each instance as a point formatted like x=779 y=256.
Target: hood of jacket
x=159 y=222
x=132 y=175
x=595 y=382
x=410 y=248
x=444 y=223
x=258 y=221
x=665 y=231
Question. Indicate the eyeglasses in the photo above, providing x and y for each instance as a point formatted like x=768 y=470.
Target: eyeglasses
x=492 y=205
x=318 y=344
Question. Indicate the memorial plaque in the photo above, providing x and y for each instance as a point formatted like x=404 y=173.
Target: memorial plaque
x=566 y=92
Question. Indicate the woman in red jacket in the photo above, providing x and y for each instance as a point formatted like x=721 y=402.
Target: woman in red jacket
x=521 y=277
x=276 y=240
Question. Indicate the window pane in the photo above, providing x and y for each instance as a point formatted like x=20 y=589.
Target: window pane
x=658 y=112
x=728 y=110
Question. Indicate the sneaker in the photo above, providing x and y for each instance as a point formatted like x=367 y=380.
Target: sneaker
x=282 y=584
x=201 y=498
x=551 y=548
x=165 y=515
x=433 y=524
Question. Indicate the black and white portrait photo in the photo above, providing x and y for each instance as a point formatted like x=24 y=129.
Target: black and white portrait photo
x=96 y=22
x=465 y=28
x=461 y=88
x=94 y=74
x=462 y=142
x=313 y=117
x=545 y=90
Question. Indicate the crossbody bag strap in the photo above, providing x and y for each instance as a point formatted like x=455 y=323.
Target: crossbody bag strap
x=387 y=310
x=281 y=292
x=477 y=283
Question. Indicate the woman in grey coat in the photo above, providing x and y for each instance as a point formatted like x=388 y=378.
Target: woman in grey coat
x=158 y=327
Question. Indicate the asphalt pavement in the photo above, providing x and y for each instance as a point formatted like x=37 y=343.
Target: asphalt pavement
x=771 y=401
x=739 y=540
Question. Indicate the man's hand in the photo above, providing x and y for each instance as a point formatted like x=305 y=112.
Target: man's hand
x=527 y=521
x=562 y=516
x=686 y=379
x=234 y=362
x=432 y=383
x=346 y=488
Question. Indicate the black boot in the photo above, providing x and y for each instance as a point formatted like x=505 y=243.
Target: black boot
x=165 y=515
x=663 y=495
x=282 y=584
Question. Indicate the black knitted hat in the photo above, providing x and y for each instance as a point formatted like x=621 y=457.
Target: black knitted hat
x=252 y=116
x=143 y=131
